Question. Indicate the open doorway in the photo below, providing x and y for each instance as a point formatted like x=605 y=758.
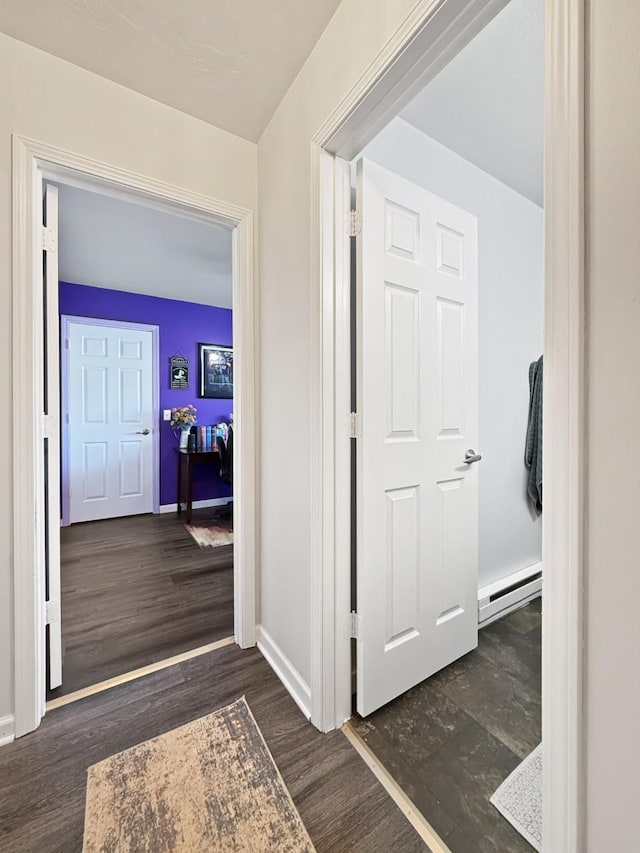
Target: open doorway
x=145 y=306
x=449 y=301
x=38 y=167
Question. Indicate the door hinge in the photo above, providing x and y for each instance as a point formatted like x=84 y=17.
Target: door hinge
x=51 y=611
x=355 y=223
x=355 y=425
x=354 y=625
x=48 y=426
x=49 y=241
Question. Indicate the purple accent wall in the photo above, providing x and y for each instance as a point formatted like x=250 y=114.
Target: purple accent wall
x=182 y=326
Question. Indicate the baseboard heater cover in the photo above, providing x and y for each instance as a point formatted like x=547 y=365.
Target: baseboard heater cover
x=497 y=599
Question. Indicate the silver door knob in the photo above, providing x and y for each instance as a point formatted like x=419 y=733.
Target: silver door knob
x=143 y=431
x=471 y=456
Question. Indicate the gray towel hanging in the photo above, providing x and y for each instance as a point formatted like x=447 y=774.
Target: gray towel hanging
x=533 y=445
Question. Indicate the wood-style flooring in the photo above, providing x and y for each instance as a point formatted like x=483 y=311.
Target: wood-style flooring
x=138 y=590
x=451 y=741
x=43 y=775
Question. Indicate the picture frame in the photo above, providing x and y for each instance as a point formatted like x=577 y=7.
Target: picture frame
x=215 y=371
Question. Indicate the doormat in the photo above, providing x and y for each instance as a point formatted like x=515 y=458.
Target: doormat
x=210 y=536
x=211 y=785
x=519 y=798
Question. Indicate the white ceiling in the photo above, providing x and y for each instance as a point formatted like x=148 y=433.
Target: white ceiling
x=487 y=105
x=229 y=63
x=121 y=245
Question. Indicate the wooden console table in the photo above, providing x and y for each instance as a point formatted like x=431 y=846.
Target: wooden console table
x=186 y=461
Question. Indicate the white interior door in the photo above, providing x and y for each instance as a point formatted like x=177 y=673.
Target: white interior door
x=417 y=498
x=110 y=420
x=51 y=434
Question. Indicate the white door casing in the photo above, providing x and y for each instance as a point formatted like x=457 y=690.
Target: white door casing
x=51 y=433
x=417 y=499
x=31 y=162
x=110 y=420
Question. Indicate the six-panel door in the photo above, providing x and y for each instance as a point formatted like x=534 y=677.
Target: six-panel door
x=110 y=421
x=417 y=500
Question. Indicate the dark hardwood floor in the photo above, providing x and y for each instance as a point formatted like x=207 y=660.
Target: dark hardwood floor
x=137 y=590
x=43 y=775
x=451 y=741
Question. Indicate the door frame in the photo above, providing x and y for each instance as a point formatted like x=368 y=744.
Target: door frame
x=433 y=32
x=67 y=320
x=33 y=162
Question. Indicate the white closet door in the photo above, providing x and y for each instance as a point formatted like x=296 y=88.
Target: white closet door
x=417 y=498
x=110 y=421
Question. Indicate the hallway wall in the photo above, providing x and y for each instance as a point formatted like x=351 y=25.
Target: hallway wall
x=288 y=317
x=45 y=98
x=612 y=570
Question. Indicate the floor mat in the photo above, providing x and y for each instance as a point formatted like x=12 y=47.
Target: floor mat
x=519 y=798
x=211 y=785
x=210 y=536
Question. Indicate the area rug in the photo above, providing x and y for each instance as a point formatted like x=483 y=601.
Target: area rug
x=211 y=785
x=519 y=798
x=210 y=536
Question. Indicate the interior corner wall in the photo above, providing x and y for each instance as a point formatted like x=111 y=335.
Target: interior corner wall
x=611 y=697
x=510 y=320
x=50 y=100
x=355 y=35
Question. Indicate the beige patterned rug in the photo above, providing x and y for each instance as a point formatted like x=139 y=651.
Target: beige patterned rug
x=211 y=536
x=211 y=785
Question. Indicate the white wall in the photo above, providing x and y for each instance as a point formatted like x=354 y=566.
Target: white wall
x=612 y=697
x=353 y=37
x=120 y=244
x=47 y=99
x=491 y=118
x=510 y=310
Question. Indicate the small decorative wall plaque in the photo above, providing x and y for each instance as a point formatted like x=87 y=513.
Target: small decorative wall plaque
x=178 y=373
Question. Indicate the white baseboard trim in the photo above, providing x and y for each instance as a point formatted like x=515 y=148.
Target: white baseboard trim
x=286 y=672
x=501 y=597
x=7 y=729
x=197 y=504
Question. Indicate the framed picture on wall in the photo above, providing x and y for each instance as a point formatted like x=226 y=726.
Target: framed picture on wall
x=215 y=365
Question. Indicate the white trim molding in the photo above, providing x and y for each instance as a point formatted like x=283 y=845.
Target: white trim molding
x=7 y=729
x=563 y=429
x=204 y=504
x=433 y=32
x=296 y=686
x=31 y=161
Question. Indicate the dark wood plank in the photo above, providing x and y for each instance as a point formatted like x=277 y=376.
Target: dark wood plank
x=43 y=775
x=138 y=590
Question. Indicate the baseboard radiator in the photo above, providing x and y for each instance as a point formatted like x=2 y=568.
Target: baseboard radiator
x=501 y=597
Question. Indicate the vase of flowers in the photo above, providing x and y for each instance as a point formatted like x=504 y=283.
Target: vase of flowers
x=182 y=419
